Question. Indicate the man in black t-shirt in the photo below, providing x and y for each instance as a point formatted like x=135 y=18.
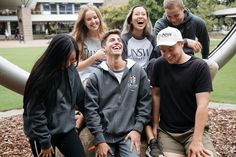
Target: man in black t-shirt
x=192 y=28
x=181 y=90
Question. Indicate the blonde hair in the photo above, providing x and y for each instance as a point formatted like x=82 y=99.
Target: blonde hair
x=80 y=30
x=127 y=27
x=170 y=4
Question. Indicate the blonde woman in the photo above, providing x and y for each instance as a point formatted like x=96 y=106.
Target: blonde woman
x=87 y=32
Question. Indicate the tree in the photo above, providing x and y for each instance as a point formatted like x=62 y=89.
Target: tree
x=226 y=2
x=204 y=10
x=114 y=16
x=155 y=7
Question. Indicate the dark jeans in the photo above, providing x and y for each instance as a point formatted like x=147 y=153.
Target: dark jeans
x=69 y=145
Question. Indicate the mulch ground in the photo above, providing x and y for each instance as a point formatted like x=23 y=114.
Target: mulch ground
x=13 y=142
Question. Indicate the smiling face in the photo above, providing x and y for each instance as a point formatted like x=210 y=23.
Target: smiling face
x=113 y=45
x=175 y=15
x=91 y=20
x=139 y=18
x=173 y=54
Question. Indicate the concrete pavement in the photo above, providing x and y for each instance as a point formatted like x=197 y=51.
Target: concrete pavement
x=16 y=43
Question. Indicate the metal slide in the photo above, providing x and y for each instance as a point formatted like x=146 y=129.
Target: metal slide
x=14 y=78
x=226 y=49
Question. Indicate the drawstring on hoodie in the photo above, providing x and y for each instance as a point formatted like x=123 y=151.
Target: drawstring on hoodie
x=36 y=149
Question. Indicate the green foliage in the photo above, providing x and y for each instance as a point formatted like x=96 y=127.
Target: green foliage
x=233 y=4
x=114 y=16
x=155 y=8
x=191 y=4
x=204 y=10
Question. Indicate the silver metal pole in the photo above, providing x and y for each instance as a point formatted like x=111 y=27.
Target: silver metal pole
x=12 y=76
x=226 y=49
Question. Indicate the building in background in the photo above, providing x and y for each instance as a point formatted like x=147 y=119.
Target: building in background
x=115 y=2
x=226 y=19
x=37 y=18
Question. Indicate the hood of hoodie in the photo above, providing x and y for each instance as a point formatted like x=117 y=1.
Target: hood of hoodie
x=187 y=17
x=129 y=64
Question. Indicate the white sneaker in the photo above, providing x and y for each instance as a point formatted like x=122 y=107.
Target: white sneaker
x=148 y=152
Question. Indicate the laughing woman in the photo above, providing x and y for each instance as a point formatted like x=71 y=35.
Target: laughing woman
x=137 y=36
x=139 y=45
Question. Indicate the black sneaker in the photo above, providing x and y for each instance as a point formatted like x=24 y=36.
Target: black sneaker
x=154 y=149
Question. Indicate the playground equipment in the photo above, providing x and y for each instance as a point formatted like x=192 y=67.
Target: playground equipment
x=14 y=78
x=226 y=49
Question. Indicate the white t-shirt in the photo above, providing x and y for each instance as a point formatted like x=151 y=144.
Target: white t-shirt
x=139 y=50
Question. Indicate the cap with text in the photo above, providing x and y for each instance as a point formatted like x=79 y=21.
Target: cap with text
x=169 y=36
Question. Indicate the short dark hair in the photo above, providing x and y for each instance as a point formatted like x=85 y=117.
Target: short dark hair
x=108 y=33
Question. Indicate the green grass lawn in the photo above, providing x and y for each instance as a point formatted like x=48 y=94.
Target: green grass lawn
x=23 y=58
x=224 y=83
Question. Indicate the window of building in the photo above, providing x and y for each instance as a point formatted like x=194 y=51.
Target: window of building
x=53 y=8
x=69 y=8
x=46 y=7
x=62 y=8
x=77 y=7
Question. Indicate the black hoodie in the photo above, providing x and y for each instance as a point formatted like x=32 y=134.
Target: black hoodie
x=56 y=114
x=191 y=28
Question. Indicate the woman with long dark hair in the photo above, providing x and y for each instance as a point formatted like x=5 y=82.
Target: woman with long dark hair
x=52 y=93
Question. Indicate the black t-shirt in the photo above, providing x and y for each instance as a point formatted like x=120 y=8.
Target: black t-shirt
x=178 y=85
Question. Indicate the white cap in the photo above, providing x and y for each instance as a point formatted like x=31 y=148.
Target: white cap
x=169 y=36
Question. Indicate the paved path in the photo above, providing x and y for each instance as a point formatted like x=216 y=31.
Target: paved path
x=222 y=106
x=11 y=113
x=16 y=43
x=211 y=105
